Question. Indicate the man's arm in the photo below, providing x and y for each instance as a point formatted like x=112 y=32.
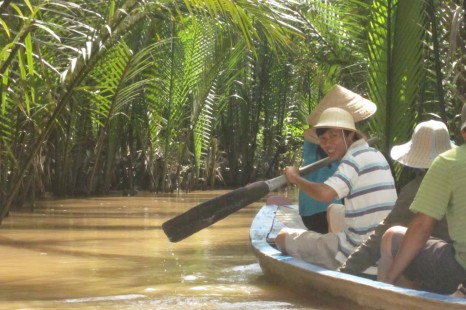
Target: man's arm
x=416 y=236
x=319 y=191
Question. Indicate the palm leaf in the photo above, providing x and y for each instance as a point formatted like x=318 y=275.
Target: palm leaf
x=395 y=69
x=75 y=75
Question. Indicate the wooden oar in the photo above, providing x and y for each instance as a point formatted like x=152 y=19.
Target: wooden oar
x=213 y=210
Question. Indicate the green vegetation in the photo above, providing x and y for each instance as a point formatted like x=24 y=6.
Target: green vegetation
x=166 y=95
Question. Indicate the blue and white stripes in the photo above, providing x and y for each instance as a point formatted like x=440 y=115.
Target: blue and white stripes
x=365 y=182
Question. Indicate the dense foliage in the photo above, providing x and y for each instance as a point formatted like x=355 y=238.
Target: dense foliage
x=178 y=95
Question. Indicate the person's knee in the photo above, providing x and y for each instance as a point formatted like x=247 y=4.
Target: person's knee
x=386 y=244
x=386 y=253
x=336 y=218
x=280 y=241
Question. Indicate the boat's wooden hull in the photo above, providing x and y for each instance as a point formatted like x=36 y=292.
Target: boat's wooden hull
x=366 y=293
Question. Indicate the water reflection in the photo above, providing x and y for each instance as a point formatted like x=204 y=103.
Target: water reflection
x=111 y=253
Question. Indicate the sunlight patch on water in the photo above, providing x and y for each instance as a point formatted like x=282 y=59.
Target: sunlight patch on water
x=190 y=278
x=209 y=303
x=150 y=289
x=240 y=274
x=251 y=268
x=105 y=298
x=209 y=288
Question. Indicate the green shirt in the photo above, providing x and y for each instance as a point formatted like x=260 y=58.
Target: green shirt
x=443 y=194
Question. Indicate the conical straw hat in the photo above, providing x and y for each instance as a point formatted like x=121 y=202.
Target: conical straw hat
x=429 y=139
x=359 y=107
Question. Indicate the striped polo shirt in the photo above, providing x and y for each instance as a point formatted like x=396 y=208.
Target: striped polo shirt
x=365 y=182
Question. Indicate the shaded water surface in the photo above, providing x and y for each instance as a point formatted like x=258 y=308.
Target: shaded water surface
x=111 y=253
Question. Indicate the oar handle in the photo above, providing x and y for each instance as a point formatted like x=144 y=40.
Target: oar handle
x=280 y=181
x=327 y=161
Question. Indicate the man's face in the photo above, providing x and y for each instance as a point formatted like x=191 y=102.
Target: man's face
x=334 y=143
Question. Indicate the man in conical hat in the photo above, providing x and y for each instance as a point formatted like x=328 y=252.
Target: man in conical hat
x=363 y=179
x=429 y=139
x=313 y=212
x=411 y=253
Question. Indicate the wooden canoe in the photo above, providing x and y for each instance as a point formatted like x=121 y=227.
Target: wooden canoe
x=366 y=293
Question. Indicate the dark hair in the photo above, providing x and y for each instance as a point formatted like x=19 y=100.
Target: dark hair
x=321 y=131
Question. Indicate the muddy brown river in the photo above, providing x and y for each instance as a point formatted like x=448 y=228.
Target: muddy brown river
x=111 y=253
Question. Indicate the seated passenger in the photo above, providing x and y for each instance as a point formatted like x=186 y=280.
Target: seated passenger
x=313 y=212
x=429 y=139
x=411 y=257
x=363 y=179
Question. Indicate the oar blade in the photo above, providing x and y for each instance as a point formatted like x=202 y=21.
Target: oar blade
x=213 y=210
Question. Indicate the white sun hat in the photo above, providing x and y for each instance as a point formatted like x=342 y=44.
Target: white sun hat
x=334 y=118
x=340 y=97
x=429 y=139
